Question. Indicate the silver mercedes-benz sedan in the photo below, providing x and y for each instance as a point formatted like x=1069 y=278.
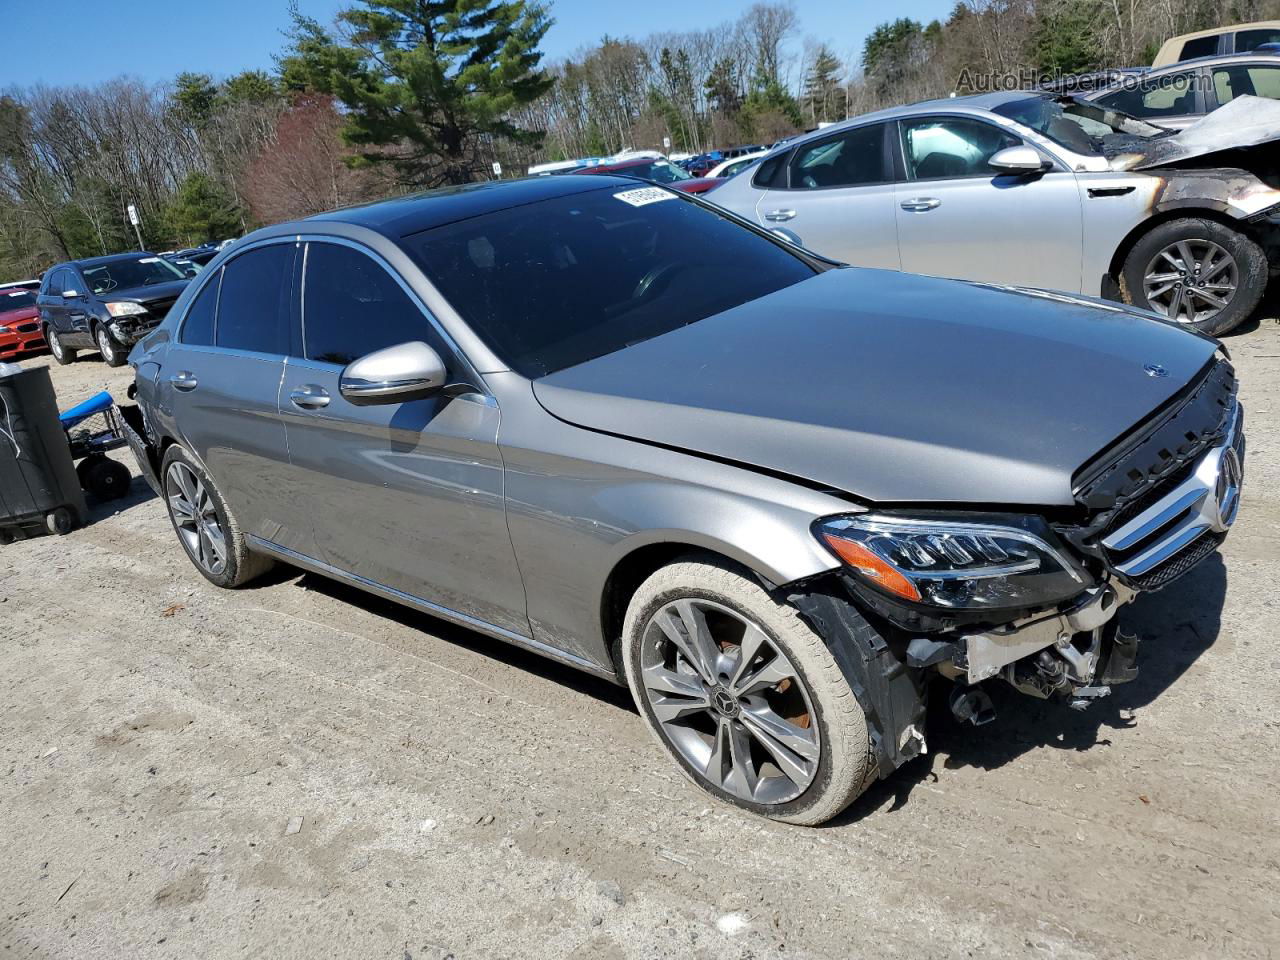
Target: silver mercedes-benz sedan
x=1042 y=190
x=618 y=426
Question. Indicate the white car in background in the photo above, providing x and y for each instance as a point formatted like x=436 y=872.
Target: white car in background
x=729 y=167
x=1037 y=190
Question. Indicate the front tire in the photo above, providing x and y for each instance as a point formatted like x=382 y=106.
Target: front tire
x=743 y=694
x=112 y=350
x=205 y=525
x=64 y=355
x=1196 y=272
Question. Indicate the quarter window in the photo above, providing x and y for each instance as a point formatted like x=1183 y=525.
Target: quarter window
x=954 y=147
x=853 y=159
x=253 y=306
x=1199 y=47
x=197 y=326
x=352 y=306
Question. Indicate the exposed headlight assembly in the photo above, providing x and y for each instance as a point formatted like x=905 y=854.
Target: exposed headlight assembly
x=125 y=309
x=957 y=565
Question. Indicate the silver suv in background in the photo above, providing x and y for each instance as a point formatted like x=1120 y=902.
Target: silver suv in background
x=615 y=425
x=1037 y=190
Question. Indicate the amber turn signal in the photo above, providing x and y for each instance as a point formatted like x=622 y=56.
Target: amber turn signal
x=872 y=567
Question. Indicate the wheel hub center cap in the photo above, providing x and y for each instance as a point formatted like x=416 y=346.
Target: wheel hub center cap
x=726 y=703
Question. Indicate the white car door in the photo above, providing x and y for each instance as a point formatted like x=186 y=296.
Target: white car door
x=837 y=197
x=957 y=217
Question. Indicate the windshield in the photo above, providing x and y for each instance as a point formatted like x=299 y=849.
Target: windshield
x=1078 y=125
x=660 y=171
x=16 y=300
x=126 y=274
x=552 y=284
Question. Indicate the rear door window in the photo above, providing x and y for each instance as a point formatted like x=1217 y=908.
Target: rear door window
x=254 y=301
x=943 y=149
x=1240 y=80
x=1248 y=40
x=853 y=159
x=352 y=306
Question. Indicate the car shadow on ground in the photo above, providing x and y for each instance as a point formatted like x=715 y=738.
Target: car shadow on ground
x=1177 y=625
x=566 y=676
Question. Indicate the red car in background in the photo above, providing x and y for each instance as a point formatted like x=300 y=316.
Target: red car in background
x=19 y=323
x=655 y=170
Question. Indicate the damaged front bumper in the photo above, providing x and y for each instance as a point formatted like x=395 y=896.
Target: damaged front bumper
x=1074 y=655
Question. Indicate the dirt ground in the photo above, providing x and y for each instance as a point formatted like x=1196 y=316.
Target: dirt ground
x=299 y=770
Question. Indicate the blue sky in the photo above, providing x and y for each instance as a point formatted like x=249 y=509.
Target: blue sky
x=65 y=42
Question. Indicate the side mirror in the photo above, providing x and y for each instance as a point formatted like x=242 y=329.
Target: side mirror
x=1021 y=159
x=70 y=294
x=406 y=371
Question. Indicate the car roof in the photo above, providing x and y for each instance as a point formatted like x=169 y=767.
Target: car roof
x=974 y=103
x=1213 y=60
x=402 y=216
x=1219 y=31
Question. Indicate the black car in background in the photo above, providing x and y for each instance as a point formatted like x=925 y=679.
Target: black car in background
x=106 y=303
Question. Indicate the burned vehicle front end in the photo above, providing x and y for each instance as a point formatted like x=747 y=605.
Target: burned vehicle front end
x=1027 y=600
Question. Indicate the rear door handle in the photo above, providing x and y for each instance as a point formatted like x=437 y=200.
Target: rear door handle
x=184 y=380
x=779 y=216
x=921 y=204
x=310 y=396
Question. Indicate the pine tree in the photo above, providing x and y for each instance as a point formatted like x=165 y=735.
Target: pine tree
x=824 y=94
x=427 y=86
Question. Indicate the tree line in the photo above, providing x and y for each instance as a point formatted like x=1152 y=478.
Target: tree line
x=398 y=95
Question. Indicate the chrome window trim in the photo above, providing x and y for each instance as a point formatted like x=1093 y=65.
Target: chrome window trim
x=205 y=277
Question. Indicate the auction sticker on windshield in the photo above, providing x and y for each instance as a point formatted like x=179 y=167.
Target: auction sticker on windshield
x=645 y=195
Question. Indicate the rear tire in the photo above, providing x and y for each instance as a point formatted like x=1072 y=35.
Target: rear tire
x=205 y=525
x=64 y=355
x=1159 y=258
x=789 y=680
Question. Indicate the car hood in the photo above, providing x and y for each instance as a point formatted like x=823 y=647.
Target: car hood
x=18 y=315
x=697 y=184
x=893 y=387
x=1244 y=122
x=152 y=293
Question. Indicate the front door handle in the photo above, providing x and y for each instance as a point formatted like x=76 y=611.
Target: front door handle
x=921 y=204
x=310 y=397
x=184 y=380
x=779 y=216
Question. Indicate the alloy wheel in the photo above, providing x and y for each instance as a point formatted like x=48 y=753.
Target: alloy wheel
x=55 y=345
x=1191 y=281
x=105 y=346
x=729 y=701
x=195 y=518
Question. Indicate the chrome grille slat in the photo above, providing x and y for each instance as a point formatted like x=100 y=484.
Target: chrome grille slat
x=1165 y=548
x=1152 y=519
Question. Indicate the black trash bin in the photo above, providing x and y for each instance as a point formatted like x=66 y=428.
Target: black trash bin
x=39 y=489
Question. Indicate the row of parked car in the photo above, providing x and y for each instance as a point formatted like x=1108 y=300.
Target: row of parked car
x=99 y=303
